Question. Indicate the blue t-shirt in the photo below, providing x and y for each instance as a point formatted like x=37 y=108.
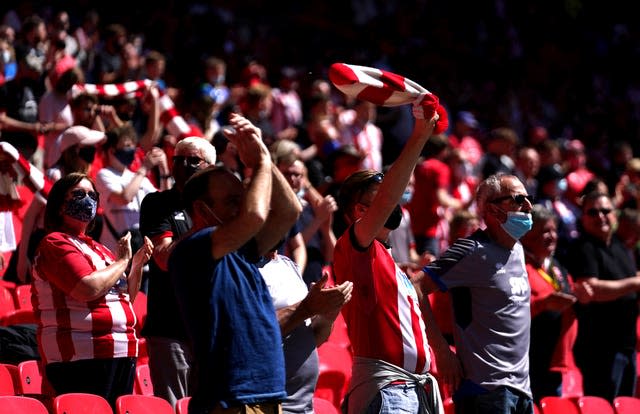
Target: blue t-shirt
x=231 y=325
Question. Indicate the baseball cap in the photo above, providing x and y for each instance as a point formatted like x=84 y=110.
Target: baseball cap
x=468 y=119
x=79 y=134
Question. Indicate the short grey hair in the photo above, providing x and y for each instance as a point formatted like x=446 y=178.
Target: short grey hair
x=206 y=150
x=489 y=188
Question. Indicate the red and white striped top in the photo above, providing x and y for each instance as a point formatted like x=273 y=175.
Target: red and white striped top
x=69 y=329
x=383 y=317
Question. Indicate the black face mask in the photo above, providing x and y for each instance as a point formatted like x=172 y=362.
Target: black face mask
x=87 y=154
x=393 y=222
x=125 y=155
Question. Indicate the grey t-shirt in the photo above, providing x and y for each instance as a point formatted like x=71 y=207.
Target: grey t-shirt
x=490 y=295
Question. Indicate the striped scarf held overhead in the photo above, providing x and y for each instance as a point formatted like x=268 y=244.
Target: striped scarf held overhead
x=169 y=115
x=12 y=165
x=384 y=88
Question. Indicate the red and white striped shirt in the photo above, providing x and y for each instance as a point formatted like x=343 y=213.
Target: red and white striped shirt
x=69 y=329
x=383 y=317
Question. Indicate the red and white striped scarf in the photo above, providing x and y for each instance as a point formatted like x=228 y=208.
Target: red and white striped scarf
x=384 y=88
x=13 y=165
x=169 y=115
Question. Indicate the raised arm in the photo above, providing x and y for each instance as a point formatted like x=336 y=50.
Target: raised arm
x=285 y=209
x=254 y=208
x=396 y=179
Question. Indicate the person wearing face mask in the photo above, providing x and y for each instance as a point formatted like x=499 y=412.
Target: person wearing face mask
x=122 y=189
x=77 y=279
x=489 y=289
x=164 y=219
x=390 y=334
x=77 y=145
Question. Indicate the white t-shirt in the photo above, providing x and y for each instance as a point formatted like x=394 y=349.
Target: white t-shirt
x=121 y=217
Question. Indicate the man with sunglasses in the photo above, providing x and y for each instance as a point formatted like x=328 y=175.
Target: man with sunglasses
x=384 y=319
x=164 y=219
x=486 y=276
x=605 y=348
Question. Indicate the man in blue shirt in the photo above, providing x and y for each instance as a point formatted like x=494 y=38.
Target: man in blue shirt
x=228 y=313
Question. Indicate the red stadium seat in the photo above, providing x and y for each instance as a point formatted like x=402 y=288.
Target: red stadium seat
x=142 y=404
x=558 y=405
x=13 y=404
x=81 y=403
x=335 y=372
x=182 y=405
x=322 y=406
x=142 y=384
x=626 y=405
x=594 y=405
x=7 y=300
x=23 y=297
x=7 y=382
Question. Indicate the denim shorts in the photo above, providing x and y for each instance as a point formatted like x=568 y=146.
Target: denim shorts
x=399 y=398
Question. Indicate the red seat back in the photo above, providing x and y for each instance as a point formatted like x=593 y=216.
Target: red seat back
x=81 y=403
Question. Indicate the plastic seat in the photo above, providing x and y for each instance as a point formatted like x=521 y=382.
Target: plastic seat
x=594 y=405
x=558 y=405
x=449 y=406
x=182 y=405
x=142 y=384
x=22 y=295
x=7 y=384
x=335 y=364
x=140 y=309
x=142 y=404
x=322 y=406
x=536 y=409
x=14 y=404
x=30 y=377
x=339 y=334
x=81 y=403
x=18 y=317
x=7 y=300
x=572 y=383
x=626 y=405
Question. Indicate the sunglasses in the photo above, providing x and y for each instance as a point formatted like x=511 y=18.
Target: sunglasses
x=595 y=212
x=79 y=194
x=518 y=199
x=190 y=161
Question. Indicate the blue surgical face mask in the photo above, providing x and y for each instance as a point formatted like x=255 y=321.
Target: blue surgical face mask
x=83 y=209
x=562 y=185
x=518 y=224
x=406 y=197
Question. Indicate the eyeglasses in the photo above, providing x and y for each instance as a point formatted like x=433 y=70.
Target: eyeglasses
x=187 y=161
x=595 y=212
x=79 y=194
x=518 y=199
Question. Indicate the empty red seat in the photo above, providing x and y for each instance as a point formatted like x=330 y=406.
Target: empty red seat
x=558 y=405
x=322 y=406
x=142 y=383
x=594 y=405
x=142 y=404
x=80 y=403
x=335 y=364
x=14 y=404
x=626 y=405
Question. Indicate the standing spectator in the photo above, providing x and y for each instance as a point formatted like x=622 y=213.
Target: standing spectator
x=605 y=349
x=464 y=135
x=576 y=170
x=286 y=115
x=109 y=64
x=164 y=219
x=305 y=317
x=357 y=127
x=432 y=195
x=500 y=153
x=384 y=319
x=554 y=326
x=486 y=276
x=628 y=232
x=83 y=297
x=527 y=168
x=224 y=302
x=122 y=189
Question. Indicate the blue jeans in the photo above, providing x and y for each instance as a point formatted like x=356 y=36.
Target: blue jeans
x=400 y=398
x=502 y=400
